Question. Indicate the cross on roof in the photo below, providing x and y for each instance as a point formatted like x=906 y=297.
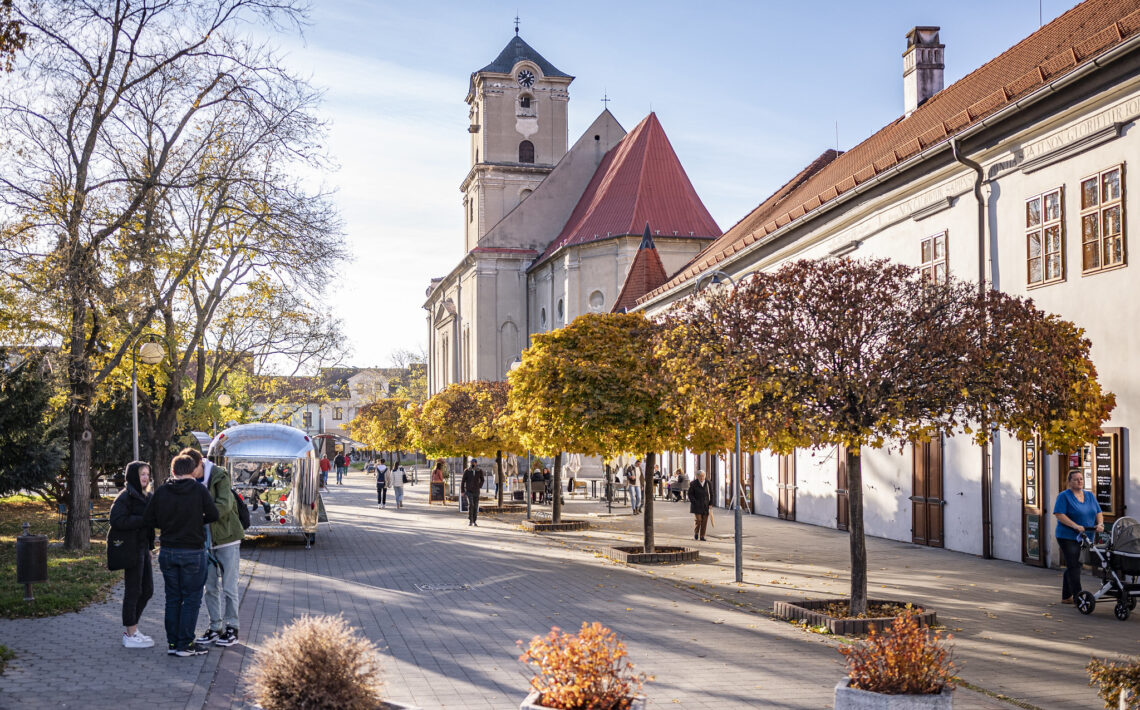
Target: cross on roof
x=606 y=100
x=516 y=24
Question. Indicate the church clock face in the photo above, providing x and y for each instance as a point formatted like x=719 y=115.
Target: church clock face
x=525 y=78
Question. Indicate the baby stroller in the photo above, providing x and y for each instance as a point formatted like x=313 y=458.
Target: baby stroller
x=1118 y=565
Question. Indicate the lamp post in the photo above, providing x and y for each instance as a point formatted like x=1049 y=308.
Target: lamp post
x=151 y=353
x=715 y=277
x=223 y=401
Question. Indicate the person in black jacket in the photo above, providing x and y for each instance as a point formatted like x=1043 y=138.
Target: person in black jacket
x=137 y=541
x=181 y=508
x=471 y=484
x=700 y=497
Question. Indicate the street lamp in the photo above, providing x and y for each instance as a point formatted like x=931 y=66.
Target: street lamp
x=223 y=401
x=715 y=277
x=151 y=353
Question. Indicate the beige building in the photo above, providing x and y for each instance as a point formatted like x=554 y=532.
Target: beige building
x=551 y=231
x=1017 y=174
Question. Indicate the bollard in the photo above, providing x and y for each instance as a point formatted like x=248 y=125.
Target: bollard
x=31 y=561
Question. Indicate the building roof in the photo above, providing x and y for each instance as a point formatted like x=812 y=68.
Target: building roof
x=645 y=274
x=1073 y=39
x=640 y=180
x=516 y=51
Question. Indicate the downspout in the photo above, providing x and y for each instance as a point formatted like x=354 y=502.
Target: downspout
x=987 y=467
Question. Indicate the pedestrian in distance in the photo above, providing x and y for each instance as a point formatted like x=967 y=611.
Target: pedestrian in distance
x=435 y=484
x=223 y=554
x=339 y=463
x=470 y=486
x=399 y=478
x=383 y=482
x=180 y=509
x=547 y=485
x=700 y=498
x=325 y=466
x=636 y=481
x=129 y=545
x=1076 y=511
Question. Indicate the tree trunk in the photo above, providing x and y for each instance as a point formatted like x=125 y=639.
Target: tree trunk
x=499 y=476
x=163 y=433
x=556 y=515
x=78 y=534
x=858 y=540
x=647 y=500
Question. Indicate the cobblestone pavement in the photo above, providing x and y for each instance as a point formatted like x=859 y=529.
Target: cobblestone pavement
x=446 y=604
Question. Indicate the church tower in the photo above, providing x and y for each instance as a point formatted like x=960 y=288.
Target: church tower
x=518 y=133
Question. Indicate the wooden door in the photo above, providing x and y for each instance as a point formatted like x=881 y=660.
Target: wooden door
x=786 y=488
x=926 y=498
x=842 y=507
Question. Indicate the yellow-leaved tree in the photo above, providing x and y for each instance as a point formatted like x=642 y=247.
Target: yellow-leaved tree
x=383 y=425
x=594 y=388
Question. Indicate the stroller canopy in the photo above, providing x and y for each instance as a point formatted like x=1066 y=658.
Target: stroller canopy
x=1126 y=536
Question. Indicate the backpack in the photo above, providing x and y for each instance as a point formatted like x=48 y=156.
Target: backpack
x=242 y=509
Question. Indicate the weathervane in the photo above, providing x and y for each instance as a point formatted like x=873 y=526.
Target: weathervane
x=516 y=24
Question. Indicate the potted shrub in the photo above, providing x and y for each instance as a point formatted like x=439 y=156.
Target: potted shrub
x=901 y=667
x=583 y=671
x=318 y=663
x=1118 y=684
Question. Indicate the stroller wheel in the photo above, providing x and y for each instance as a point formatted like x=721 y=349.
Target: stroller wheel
x=1085 y=602
x=1131 y=602
x=1121 y=610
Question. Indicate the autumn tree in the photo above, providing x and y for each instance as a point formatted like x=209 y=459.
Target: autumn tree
x=494 y=430
x=110 y=105
x=594 y=388
x=867 y=354
x=384 y=426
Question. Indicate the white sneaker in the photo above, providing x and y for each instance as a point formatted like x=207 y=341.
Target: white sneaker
x=134 y=641
x=144 y=637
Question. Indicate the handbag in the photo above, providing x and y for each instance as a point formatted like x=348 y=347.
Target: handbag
x=122 y=549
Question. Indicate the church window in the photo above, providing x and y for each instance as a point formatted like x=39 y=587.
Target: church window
x=561 y=311
x=542 y=318
x=597 y=301
x=526 y=152
x=471 y=207
x=524 y=102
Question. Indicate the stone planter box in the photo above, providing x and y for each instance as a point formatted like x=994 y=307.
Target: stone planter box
x=502 y=509
x=662 y=554
x=851 y=699
x=531 y=703
x=811 y=610
x=547 y=526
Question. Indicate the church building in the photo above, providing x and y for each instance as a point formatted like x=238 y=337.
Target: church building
x=553 y=230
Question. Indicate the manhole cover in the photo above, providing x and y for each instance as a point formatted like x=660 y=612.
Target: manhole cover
x=442 y=587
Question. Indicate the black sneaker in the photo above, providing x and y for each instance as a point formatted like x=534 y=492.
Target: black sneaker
x=194 y=649
x=228 y=638
x=209 y=637
x=170 y=650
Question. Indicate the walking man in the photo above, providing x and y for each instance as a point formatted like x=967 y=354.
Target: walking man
x=471 y=484
x=223 y=544
x=339 y=463
x=382 y=482
x=636 y=481
x=180 y=509
x=700 y=497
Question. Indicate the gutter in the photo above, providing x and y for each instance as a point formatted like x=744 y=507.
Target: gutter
x=1039 y=94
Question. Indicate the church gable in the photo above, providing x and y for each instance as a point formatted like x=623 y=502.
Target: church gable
x=641 y=180
x=645 y=274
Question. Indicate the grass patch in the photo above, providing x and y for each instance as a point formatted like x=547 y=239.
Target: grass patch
x=75 y=579
x=6 y=654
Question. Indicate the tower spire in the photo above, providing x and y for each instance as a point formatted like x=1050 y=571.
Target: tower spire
x=516 y=24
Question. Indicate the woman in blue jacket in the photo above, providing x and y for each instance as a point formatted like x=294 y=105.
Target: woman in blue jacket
x=1076 y=510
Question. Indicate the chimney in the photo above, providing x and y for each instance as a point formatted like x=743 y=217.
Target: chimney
x=922 y=66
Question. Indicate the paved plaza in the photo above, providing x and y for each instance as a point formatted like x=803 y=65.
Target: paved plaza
x=446 y=604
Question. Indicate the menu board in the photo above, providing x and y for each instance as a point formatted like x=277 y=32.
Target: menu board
x=1105 y=464
x=1031 y=470
x=1033 y=536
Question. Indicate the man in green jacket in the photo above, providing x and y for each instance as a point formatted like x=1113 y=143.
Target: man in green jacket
x=223 y=544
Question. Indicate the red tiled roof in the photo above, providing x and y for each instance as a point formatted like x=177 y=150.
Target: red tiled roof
x=645 y=274
x=639 y=180
x=1077 y=36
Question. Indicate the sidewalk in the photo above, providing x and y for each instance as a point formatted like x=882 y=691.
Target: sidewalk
x=1012 y=636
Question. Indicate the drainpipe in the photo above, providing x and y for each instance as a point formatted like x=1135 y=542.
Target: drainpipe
x=987 y=464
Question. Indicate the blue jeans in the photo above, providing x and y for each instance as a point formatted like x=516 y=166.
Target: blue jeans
x=635 y=497
x=184 y=575
x=340 y=474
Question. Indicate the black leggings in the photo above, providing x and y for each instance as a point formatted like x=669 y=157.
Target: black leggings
x=382 y=495
x=1071 y=584
x=138 y=589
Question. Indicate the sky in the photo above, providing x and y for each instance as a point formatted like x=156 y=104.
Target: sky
x=749 y=92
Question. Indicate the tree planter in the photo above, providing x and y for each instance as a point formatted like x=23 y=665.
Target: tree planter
x=852 y=699
x=814 y=613
x=547 y=526
x=531 y=703
x=662 y=554
x=389 y=705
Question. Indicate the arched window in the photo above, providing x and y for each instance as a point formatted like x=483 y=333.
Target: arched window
x=526 y=152
x=524 y=102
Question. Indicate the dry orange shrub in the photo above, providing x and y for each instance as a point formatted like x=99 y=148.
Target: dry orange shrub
x=904 y=659
x=583 y=671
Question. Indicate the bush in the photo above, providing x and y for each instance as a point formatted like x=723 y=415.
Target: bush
x=317 y=663
x=905 y=659
x=1110 y=678
x=583 y=671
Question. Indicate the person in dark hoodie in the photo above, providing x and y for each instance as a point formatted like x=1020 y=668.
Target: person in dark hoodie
x=180 y=509
x=133 y=542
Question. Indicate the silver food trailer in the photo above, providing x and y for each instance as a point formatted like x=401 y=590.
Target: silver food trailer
x=275 y=468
